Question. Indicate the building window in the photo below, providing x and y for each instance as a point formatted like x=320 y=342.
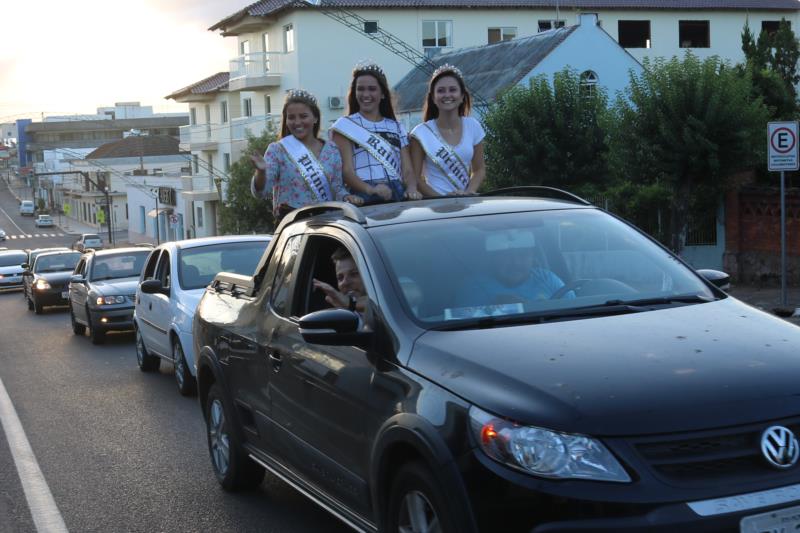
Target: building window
x=634 y=33
x=771 y=26
x=437 y=33
x=192 y=116
x=588 y=83
x=501 y=34
x=199 y=217
x=196 y=164
x=267 y=104
x=247 y=107
x=545 y=25
x=694 y=34
x=288 y=37
x=226 y=162
x=244 y=48
x=223 y=112
x=370 y=26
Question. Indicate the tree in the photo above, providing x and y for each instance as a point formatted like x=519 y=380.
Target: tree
x=773 y=54
x=686 y=126
x=547 y=135
x=241 y=212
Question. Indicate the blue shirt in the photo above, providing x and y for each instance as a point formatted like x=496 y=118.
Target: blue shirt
x=487 y=290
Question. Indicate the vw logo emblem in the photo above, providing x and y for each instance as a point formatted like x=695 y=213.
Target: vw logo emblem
x=780 y=447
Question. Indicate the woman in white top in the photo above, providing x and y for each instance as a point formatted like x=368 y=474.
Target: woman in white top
x=375 y=161
x=447 y=148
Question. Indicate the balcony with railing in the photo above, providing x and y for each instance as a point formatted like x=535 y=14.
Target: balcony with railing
x=200 y=136
x=255 y=126
x=256 y=71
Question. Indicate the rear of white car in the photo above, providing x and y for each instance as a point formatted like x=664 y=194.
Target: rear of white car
x=26 y=207
x=44 y=221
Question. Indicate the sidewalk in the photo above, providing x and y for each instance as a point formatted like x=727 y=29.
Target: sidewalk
x=769 y=299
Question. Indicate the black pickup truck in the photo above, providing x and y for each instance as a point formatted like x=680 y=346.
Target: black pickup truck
x=506 y=363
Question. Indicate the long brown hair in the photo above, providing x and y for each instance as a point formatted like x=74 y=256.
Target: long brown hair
x=385 y=107
x=429 y=110
x=300 y=97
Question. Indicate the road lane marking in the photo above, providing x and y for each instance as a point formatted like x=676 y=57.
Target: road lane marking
x=44 y=511
x=11 y=220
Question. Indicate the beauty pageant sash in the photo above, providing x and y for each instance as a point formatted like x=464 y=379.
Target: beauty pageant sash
x=443 y=155
x=373 y=143
x=309 y=167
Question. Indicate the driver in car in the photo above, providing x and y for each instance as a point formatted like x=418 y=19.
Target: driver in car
x=350 y=294
x=516 y=278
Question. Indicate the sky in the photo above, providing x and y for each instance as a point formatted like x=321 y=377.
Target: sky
x=63 y=57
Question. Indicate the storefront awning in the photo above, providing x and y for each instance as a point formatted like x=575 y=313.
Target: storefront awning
x=153 y=213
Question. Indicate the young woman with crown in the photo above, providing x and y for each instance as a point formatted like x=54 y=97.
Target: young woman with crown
x=375 y=160
x=300 y=168
x=447 y=148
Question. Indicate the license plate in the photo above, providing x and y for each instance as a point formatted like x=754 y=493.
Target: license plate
x=780 y=521
x=64 y=295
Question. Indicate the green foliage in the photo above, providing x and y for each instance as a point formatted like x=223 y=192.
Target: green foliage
x=547 y=135
x=687 y=126
x=241 y=212
x=40 y=205
x=777 y=53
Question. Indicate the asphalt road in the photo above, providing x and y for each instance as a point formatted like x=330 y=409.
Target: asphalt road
x=120 y=450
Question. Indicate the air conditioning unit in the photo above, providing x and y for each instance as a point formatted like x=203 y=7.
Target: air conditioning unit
x=335 y=102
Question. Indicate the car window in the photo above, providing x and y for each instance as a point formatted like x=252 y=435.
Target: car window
x=149 y=271
x=198 y=266
x=56 y=263
x=124 y=265
x=163 y=271
x=284 y=277
x=527 y=262
x=12 y=259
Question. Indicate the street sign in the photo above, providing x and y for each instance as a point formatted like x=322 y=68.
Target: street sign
x=101 y=217
x=173 y=220
x=782 y=146
x=67 y=209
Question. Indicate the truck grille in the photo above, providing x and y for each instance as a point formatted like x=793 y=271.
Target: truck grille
x=711 y=457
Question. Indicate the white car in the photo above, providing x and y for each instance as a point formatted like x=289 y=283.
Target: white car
x=26 y=207
x=174 y=278
x=88 y=240
x=2 y=235
x=44 y=221
x=11 y=269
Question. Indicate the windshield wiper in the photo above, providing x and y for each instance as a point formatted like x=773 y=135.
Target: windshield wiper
x=541 y=317
x=663 y=300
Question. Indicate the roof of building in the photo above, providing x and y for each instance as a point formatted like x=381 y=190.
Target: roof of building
x=137 y=146
x=272 y=7
x=121 y=124
x=487 y=69
x=211 y=84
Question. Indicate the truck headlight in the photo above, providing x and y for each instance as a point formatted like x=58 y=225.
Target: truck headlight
x=543 y=452
x=110 y=300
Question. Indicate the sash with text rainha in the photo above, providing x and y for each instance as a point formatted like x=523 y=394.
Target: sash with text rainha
x=373 y=143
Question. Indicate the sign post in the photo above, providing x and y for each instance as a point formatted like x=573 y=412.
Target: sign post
x=782 y=156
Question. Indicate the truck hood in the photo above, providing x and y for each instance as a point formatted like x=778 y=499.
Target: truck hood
x=678 y=369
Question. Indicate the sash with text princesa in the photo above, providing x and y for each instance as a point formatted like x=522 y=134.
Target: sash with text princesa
x=443 y=155
x=373 y=143
x=309 y=167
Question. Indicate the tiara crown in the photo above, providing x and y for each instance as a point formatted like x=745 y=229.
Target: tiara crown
x=448 y=68
x=368 y=65
x=301 y=94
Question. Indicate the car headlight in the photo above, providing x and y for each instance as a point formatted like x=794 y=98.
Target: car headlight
x=110 y=300
x=41 y=284
x=543 y=452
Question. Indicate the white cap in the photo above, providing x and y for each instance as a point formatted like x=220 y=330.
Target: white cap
x=509 y=240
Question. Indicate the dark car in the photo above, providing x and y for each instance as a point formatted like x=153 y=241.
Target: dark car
x=102 y=291
x=522 y=364
x=47 y=281
x=31 y=254
x=11 y=269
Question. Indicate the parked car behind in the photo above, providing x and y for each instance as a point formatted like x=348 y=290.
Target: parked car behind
x=521 y=364
x=44 y=221
x=47 y=281
x=26 y=207
x=102 y=291
x=86 y=241
x=174 y=278
x=2 y=234
x=11 y=269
